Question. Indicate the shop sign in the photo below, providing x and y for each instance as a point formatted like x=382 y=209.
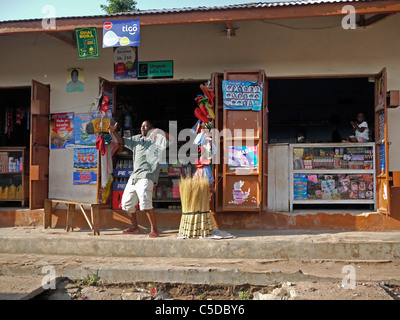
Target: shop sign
x=86 y=40
x=121 y=33
x=85 y=166
x=156 y=69
x=242 y=95
x=62 y=130
x=125 y=63
x=81 y=137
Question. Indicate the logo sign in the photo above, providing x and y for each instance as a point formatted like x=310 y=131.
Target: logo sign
x=121 y=33
x=156 y=69
x=86 y=39
x=125 y=63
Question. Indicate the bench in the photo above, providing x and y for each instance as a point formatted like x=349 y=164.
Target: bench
x=71 y=205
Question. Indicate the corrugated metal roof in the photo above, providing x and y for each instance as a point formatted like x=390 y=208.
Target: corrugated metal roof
x=254 y=5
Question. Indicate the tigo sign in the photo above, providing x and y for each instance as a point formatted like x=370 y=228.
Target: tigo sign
x=121 y=33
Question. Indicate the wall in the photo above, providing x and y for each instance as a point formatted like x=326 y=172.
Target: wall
x=307 y=47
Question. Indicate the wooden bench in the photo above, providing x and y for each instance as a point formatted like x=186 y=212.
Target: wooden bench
x=71 y=205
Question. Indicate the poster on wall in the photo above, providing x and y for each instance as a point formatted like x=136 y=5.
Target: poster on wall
x=62 y=130
x=87 y=44
x=75 y=80
x=121 y=33
x=81 y=137
x=242 y=95
x=85 y=166
x=125 y=63
x=242 y=156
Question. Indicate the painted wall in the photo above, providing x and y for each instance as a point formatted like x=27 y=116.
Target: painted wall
x=282 y=48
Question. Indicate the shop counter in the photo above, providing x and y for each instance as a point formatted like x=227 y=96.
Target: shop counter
x=332 y=173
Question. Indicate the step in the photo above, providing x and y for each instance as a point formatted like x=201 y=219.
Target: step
x=286 y=244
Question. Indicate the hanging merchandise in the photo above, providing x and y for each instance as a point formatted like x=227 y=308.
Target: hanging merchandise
x=19 y=116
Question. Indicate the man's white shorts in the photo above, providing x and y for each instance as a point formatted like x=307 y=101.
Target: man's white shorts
x=140 y=192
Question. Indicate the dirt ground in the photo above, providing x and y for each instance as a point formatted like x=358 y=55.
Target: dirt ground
x=71 y=290
x=21 y=275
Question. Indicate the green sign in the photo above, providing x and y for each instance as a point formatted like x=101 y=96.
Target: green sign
x=156 y=69
x=86 y=40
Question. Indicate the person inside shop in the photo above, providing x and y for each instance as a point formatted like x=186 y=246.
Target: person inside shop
x=360 y=129
x=147 y=149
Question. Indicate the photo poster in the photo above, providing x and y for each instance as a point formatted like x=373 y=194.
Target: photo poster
x=75 y=80
x=242 y=95
x=62 y=133
x=85 y=166
x=83 y=139
x=242 y=156
x=125 y=63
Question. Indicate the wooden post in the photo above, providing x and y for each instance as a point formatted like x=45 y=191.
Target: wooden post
x=48 y=210
x=95 y=219
x=70 y=217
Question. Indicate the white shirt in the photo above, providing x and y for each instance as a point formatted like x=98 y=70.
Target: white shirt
x=365 y=133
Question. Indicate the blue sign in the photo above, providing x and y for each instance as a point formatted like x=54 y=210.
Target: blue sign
x=382 y=157
x=121 y=33
x=81 y=137
x=242 y=95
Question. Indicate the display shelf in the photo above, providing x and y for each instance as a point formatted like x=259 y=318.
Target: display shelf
x=332 y=173
x=167 y=200
x=13 y=184
x=349 y=201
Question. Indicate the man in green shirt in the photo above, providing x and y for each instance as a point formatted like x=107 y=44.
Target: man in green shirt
x=147 y=149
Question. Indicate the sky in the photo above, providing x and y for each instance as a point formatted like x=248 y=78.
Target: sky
x=31 y=9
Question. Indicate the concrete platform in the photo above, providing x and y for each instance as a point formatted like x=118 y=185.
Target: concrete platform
x=274 y=244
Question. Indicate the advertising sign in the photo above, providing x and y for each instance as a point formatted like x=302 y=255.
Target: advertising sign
x=121 y=33
x=62 y=130
x=242 y=95
x=81 y=137
x=125 y=63
x=242 y=156
x=156 y=69
x=85 y=166
x=86 y=40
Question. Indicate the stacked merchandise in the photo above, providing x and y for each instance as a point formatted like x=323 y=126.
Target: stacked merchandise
x=122 y=172
x=340 y=186
x=333 y=158
x=10 y=186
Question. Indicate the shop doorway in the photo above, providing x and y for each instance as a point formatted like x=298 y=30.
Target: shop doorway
x=24 y=143
x=316 y=112
x=14 y=145
x=159 y=102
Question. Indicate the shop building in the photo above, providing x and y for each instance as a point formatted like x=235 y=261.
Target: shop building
x=317 y=76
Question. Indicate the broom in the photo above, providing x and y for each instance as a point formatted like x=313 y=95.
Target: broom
x=196 y=219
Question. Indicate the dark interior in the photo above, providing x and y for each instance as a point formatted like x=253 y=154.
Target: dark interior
x=15 y=100
x=320 y=108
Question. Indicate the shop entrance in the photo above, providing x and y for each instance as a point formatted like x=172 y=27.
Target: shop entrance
x=24 y=138
x=313 y=117
x=14 y=144
x=159 y=102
